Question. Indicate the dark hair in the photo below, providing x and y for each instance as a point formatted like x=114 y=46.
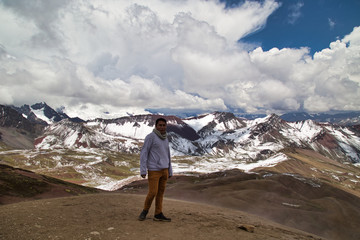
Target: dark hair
x=160 y=120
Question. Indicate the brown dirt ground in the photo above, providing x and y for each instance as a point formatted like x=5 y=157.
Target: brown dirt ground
x=325 y=211
x=114 y=216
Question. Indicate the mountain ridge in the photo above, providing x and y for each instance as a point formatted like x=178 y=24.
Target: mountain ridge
x=340 y=118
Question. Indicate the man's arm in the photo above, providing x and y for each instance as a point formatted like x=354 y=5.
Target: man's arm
x=170 y=166
x=144 y=156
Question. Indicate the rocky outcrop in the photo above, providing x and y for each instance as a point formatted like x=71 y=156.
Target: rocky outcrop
x=11 y=118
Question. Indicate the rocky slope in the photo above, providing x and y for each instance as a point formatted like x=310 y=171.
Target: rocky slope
x=17 y=185
x=16 y=131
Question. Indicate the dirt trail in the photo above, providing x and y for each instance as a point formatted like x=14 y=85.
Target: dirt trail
x=114 y=216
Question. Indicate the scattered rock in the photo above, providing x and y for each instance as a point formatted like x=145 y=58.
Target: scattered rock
x=247 y=227
x=37 y=225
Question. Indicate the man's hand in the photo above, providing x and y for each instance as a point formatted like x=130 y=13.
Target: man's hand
x=143 y=176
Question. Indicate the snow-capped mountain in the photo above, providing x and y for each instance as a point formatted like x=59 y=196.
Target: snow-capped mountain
x=215 y=134
x=43 y=114
x=124 y=134
x=208 y=124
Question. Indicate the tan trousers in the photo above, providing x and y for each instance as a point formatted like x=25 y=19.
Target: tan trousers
x=157 y=182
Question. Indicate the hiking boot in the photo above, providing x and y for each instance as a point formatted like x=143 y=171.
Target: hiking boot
x=143 y=214
x=161 y=217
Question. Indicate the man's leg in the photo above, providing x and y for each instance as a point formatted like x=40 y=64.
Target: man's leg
x=160 y=191
x=153 y=181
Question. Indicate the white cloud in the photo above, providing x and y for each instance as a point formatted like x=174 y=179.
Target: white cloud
x=337 y=80
x=295 y=12
x=331 y=23
x=353 y=39
x=99 y=55
x=89 y=111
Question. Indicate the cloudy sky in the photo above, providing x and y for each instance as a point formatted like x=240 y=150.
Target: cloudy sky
x=266 y=56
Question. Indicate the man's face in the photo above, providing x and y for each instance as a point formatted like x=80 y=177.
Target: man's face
x=161 y=127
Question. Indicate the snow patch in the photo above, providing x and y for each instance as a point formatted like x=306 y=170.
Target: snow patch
x=116 y=184
x=290 y=205
x=198 y=123
x=129 y=130
x=304 y=180
x=40 y=114
x=208 y=165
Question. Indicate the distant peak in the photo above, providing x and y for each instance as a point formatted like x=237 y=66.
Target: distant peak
x=40 y=105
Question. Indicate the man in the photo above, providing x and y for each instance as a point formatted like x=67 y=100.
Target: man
x=155 y=160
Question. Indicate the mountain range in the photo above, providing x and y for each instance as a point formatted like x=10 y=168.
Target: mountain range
x=206 y=143
x=216 y=134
